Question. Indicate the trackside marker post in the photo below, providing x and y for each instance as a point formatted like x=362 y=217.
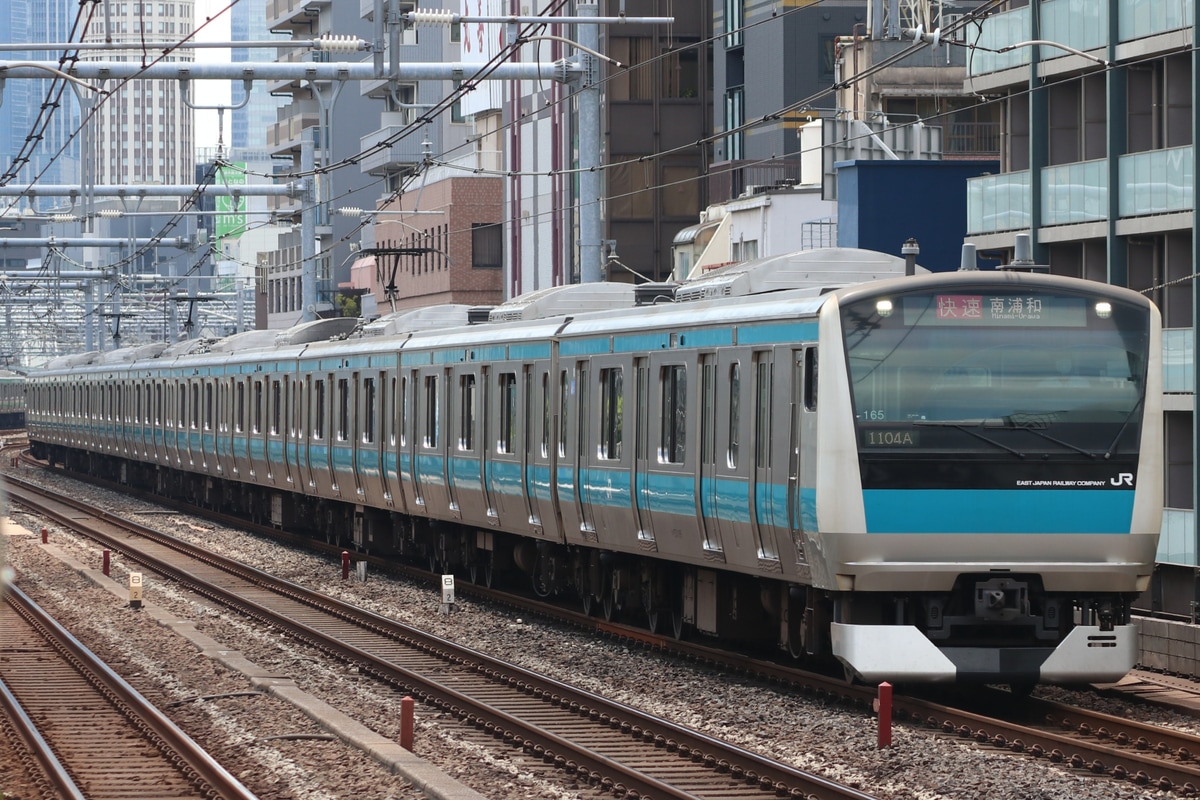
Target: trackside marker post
x=135 y=590
x=407 y=706
x=447 y=594
x=883 y=707
x=45 y=535
x=345 y=565
x=106 y=563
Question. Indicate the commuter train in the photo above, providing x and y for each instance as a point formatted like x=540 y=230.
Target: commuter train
x=12 y=400
x=933 y=477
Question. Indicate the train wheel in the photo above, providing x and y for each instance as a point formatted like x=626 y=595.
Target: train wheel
x=589 y=603
x=662 y=619
x=608 y=607
x=480 y=571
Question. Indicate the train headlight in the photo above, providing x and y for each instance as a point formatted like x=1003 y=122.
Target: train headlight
x=1103 y=309
x=883 y=308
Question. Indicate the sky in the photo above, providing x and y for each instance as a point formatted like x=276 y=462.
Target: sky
x=211 y=93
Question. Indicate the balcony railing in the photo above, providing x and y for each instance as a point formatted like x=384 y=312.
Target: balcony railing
x=1075 y=192
x=1157 y=182
x=998 y=202
x=731 y=179
x=971 y=140
x=1140 y=18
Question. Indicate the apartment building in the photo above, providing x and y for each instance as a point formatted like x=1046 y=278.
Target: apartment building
x=1098 y=165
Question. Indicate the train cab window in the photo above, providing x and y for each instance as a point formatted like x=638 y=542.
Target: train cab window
x=343 y=399
x=611 y=406
x=431 y=411
x=368 y=421
x=318 y=410
x=508 y=412
x=239 y=411
x=673 y=385
x=276 y=407
x=466 y=426
x=257 y=422
x=735 y=414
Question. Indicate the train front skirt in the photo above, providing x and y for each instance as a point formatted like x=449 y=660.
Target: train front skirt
x=901 y=653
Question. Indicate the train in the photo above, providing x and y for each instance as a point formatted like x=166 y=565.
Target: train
x=925 y=477
x=12 y=400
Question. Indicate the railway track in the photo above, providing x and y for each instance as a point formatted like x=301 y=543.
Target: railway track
x=593 y=740
x=1079 y=738
x=85 y=733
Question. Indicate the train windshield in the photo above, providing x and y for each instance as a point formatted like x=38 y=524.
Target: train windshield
x=997 y=369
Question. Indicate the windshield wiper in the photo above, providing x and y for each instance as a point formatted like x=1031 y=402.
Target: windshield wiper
x=1112 y=446
x=966 y=425
x=1034 y=423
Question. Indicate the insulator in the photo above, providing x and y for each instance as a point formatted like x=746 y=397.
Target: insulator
x=350 y=211
x=432 y=16
x=334 y=43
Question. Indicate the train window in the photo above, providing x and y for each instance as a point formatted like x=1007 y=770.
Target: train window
x=239 y=411
x=466 y=398
x=762 y=413
x=735 y=414
x=276 y=407
x=611 y=403
x=137 y=391
x=343 y=399
x=196 y=405
x=368 y=421
x=318 y=409
x=562 y=413
x=708 y=416
x=257 y=422
x=402 y=410
x=181 y=396
x=208 y=406
x=158 y=404
x=545 y=414
x=391 y=410
x=641 y=433
x=810 y=379
x=508 y=412
x=431 y=411
x=526 y=413
x=673 y=384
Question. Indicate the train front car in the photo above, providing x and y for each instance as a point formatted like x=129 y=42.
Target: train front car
x=991 y=506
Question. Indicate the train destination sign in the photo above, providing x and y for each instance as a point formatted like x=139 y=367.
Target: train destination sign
x=982 y=309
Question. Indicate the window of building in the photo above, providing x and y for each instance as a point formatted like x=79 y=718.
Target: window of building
x=487 y=245
x=735 y=117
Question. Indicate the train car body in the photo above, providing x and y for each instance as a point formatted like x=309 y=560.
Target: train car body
x=12 y=400
x=953 y=477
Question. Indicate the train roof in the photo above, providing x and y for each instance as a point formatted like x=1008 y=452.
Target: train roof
x=826 y=268
x=447 y=315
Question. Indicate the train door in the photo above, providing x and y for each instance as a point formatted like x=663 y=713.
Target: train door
x=314 y=450
x=272 y=432
x=357 y=427
x=220 y=431
x=527 y=443
x=583 y=405
x=606 y=482
x=803 y=401
x=446 y=448
x=544 y=514
x=710 y=485
x=293 y=430
x=375 y=436
x=762 y=503
x=414 y=433
x=483 y=443
x=641 y=449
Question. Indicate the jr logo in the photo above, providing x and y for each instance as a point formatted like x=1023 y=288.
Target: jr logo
x=1122 y=479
